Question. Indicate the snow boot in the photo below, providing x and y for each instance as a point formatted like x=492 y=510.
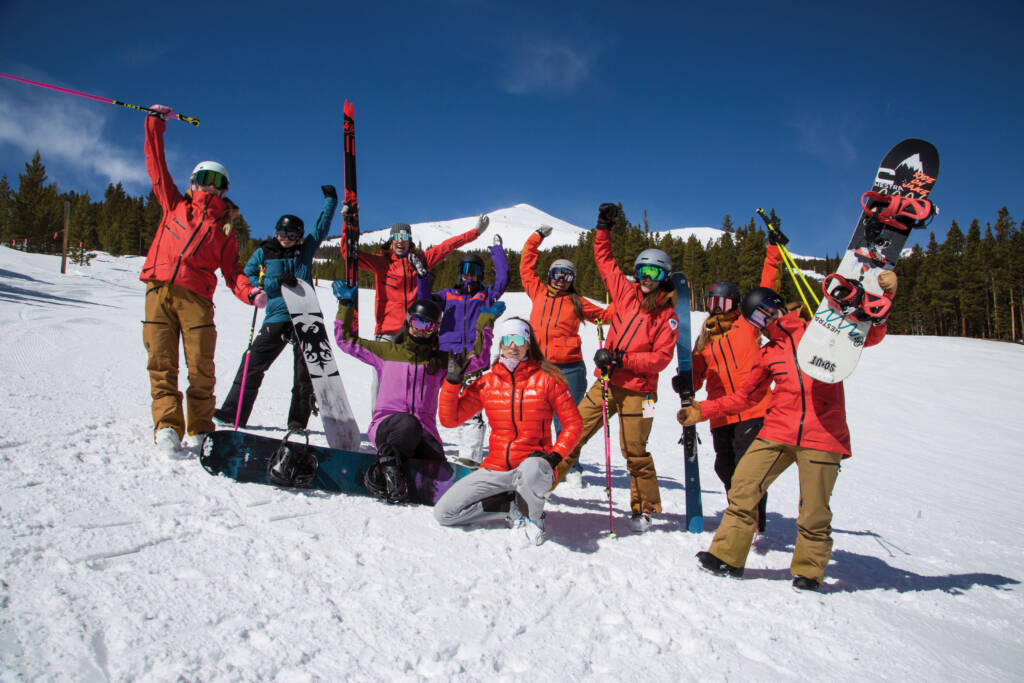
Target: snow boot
x=385 y=479
x=710 y=563
x=168 y=443
x=803 y=583
x=640 y=522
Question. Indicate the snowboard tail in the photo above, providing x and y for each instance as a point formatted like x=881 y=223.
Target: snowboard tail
x=246 y=458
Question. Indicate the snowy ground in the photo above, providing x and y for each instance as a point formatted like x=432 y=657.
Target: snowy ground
x=119 y=565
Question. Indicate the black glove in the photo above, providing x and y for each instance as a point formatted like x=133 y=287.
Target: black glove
x=776 y=237
x=606 y=216
x=681 y=387
x=608 y=360
x=329 y=191
x=457 y=364
x=552 y=457
x=288 y=280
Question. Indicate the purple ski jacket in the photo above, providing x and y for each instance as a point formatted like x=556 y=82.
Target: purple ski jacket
x=407 y=386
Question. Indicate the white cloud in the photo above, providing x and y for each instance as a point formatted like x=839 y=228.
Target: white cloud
x=71 y=133
x=546 y=66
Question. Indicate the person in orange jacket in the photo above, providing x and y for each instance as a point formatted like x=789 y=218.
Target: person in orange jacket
x=520 y=396
x=805 y=424
x=557 y=313
x=723 y=354
x=641 y=342
x=193 y=240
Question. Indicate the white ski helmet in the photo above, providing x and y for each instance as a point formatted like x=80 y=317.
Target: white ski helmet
x=563 y=263
x=653 y=257
x=210 y=166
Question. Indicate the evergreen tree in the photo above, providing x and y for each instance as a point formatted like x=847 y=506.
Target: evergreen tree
x=36 y=213
x=6 y=207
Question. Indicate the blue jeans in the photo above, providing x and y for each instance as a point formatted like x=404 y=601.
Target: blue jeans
x=576 y=375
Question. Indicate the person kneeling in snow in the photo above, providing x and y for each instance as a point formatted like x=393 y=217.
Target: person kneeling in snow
x=520 y=395
x=805 y=424
x=410 y=371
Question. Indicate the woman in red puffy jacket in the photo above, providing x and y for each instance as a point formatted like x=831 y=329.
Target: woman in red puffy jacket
x=520 y=395
x=805 y=424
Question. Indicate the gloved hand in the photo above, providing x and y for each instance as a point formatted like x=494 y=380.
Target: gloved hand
x=163 y=110
x=329 y=191
x=496 y=309
x=457 y=364
x=482 y=223
x=606 y=215
x=288 y=280
x=690 y=415
x=544 y=230
x=497 y=241
x=257 y=297
x=552 y=457
x=678 y=386
x=343 y=292
x=349 y=209
x=417 y=263
x=776 y=237
x=608 y=360
x=888 y=281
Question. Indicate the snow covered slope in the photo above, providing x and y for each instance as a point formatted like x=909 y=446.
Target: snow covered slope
x=115 y=564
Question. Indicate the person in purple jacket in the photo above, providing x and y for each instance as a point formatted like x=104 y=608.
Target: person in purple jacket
x=410 y=371
x=462 y=305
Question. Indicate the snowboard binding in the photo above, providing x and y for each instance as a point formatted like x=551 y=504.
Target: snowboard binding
x=853 y=301
x=385 y=479
x=895 y=211
x=291 y=465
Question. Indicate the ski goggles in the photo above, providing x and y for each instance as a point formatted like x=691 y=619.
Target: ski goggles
x=218 y=180
x=470 y=268
x=513 y=340
x=292 y=235
x=563 y=274
x=719 y=304
x=649 y=271
x=422 y=324
x=401 y=237
x=764 y=313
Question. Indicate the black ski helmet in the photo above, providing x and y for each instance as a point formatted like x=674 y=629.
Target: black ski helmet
x=290 y=223
x=425 y=309
x=471 y=258
x=726 y=290
x=757 y=297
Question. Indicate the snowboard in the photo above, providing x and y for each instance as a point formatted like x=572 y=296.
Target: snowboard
x=244 y=457
x=853 y=301
x=683 y=384
x=312 y=336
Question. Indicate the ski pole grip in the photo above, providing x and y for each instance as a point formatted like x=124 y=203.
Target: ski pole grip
x=187 y=119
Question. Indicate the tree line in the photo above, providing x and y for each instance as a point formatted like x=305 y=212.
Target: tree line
x=970 y=284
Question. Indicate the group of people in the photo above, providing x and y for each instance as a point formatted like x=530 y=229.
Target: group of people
x=431 y=355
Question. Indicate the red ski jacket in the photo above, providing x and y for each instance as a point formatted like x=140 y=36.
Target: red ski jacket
x=194 y=237
x=648 y=339
x=725 y=361
x=803 y=411
x=519 y=406
x=553 y=318
x=394 y=279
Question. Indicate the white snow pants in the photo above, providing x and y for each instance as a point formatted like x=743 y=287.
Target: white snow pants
x=465 y=502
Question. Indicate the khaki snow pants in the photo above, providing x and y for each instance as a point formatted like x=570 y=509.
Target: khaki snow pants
x=763 y=462
x=634 y=429
x=173 y=312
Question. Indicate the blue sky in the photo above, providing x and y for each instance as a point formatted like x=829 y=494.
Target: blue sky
x=687 y=110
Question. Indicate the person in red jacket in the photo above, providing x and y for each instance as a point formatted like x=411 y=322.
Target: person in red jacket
x=805 y=424
x=520 y=395
x=193 y=240
x=723 y=354
x=640 y=344
x=556 y=316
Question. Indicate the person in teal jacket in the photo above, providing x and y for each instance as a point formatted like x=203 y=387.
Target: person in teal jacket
x=285 y=258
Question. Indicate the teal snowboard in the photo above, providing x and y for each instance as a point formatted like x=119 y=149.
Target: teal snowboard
x=244 y=457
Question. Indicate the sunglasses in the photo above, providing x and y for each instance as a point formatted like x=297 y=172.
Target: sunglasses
x=513 y=340
x=401 y=237
x=647 y=271
x=471 y=269
x=422 y=324
x=218 y=180
x=719 y=304
x=763 y=314
x=563 y=274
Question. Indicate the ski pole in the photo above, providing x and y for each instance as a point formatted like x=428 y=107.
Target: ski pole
x=791 y=266
x=607 y=438
x=248 y=352
x=180 y=117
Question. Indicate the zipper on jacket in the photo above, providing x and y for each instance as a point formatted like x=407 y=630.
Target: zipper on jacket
x=800 y=381
x=724 y=365
x=515 y=427
x=191 y=237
